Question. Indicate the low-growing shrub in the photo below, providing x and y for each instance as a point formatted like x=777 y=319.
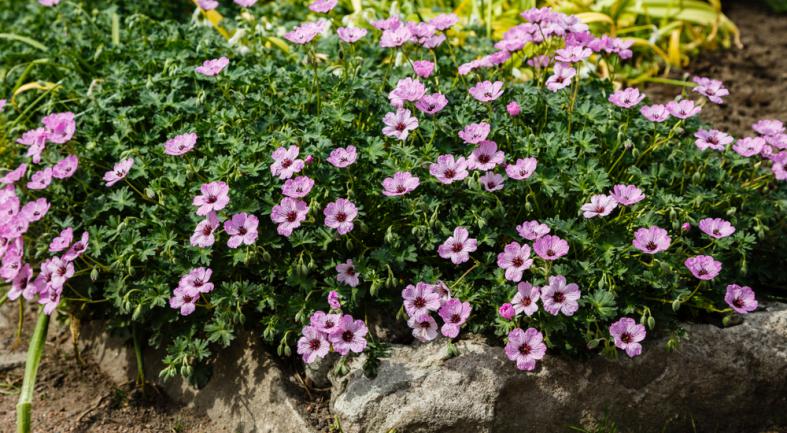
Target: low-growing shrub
x=402 y=173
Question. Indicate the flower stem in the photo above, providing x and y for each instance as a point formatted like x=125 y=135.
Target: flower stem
x=34 y=353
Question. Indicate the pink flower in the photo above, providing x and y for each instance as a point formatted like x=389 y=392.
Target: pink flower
x=714 y=90
x=342 y=157
x=394 y=38
x=716 y=227
x=298 y=187
x=41 y=179
x=204 y=234
x=334 y=300
x=408 y=89
x=703 y=267
x=325 y=323
x=66 y=167
x=420 y=299
x=454 y=314
x=60 y=271
x=712 y=139
x=683 y=109
x=572 y=54
x=399 y=124
x=458 y=247
x=655 y=113
x=740 y=299
x=350 y=34
x=532 y=230
x=627 y=334
x=444 y=22
x=423 y=68
x=286 y=162
x=550 y=247
x=748 y=146
x=340 y=214
x=180 y=144
x=347 y=274
x=559 y=297
x=513 y=109
x=491 y=181
x=515 y=259
x=442 y=291
x=468 y=67
x=485 y=157
x=627 y=195
x=447 y=170
x=184 y=300
x=526 y=298
x=60 y=127
x=350 y=337
x=214 y=197
x=651 y=240
x=539 y=62
x=475 y=133
x=2 y=104
x=486 y=91
x=197 y=281
x=242 y=228
x=312 y=345
x=525 y=348
x=62 y=241
x=424 y=327
x=600 y=205
x=35 y=139
x=390 y=23
x=506 y=311
x=14 y=175
x=212 y=67
x=626 y=98
x=561 y=78
x=523 y=168
x=35 y=210
x=685 y=227
x=119 y=172
x=322 y=6
x=306 y=32
x=208 y=5
x=288 y=215
x=768 y=127
x=22 y=284
x=401 y=183
x=245 y=3
x=432 y=104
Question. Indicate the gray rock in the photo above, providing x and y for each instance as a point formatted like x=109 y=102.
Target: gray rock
x=10 y=361
x=725 y=380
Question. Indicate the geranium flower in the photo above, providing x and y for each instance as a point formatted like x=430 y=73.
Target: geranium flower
x=431 y=104
x=424 y=327
x=35 y=210
x=401 y=183
x=350 y=34
x=515 y=259
x=197 y=280
x=491 y=181
x=768 y=127
x=399 y=124
x=655 y=112
x=651 y=240
x=119 y=172
x=2 y=104
x=298 y=187
x=66 y=167
x=60 y=271
x=447 y=170
x=325 y=323
x=703 y=267
x=525 y=348
x=22 y=284
x=748 y=146
x=394 y=38
x=532 y=230
x=627 y=195
x=626 y=98
x=444 y=22
x=572 y=54
x=286 y=162
x=62 y=240
x=312 y=345
x=390 y=23
x=627 y=334
x=485 y=157
x=180 y=144
x=486 y=91
x=408 y=89
x=347 y=274
x=550 y=247
x=458 y=247
x=245 y=3
x=60 y=127
x=420 y=299
x=513 y=109
x=454 y=314
x=322 y=6
x=522 y=169
x=712 y=139
x=506 y=311
x=714 y=90
x=340 y=214
x=14 y=175
x=350 y=337
x=36 y=140
x=342 y=157
x=716 y=227
x=306 y=32
x=423 y=68
x=333 y=300
x=740 y=299
x=208 y=5
x=242 y=228
x=561 y=77
x=288 y=215
x=210 y=68
x=204 y=234
x=683 y=109
x=475 y=133
x=442 y=291
x=16 y=226
x=600 y=205
x=559 y=297
x=214 y=197
x=41 y=179
x=184 y=300
x=525 y=299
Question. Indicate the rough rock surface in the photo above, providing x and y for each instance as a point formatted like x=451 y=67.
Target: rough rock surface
x=725 y=380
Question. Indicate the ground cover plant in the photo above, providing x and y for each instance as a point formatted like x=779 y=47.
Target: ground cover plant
x=185 y=187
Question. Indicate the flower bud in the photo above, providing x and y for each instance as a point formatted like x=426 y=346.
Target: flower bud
x=513 y=109
x=507 y=311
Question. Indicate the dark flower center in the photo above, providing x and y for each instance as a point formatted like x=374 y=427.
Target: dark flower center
x=559 y=297
x=286 y=163
x=347 y=336
x=738 y=302
x=702 y=271
x=207 y=230
x=212 y=199
x=242 y=230
x=456 y=318
x=292 y=216
x=350 y=271
x=483 y=158
x=651 y=246
x=400 y=126
x=419 y=302
x=526 y=301
x=341 y=217
x=599 y=209
x=716 y=232
x=187 y=299
x=525 y=349
x=550 y=253
x=449 y=174
x=518 y=261
x=329 y=324
x=400 y=188
x=198 y=282
x=315 y=344
x=425 y=324
x=457 y=247
x=626 y=338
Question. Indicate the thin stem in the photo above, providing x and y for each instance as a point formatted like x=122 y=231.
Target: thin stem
x=34 y=353
x=140 y=380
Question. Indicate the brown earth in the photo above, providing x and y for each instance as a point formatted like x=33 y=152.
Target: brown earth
x=77 y=398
